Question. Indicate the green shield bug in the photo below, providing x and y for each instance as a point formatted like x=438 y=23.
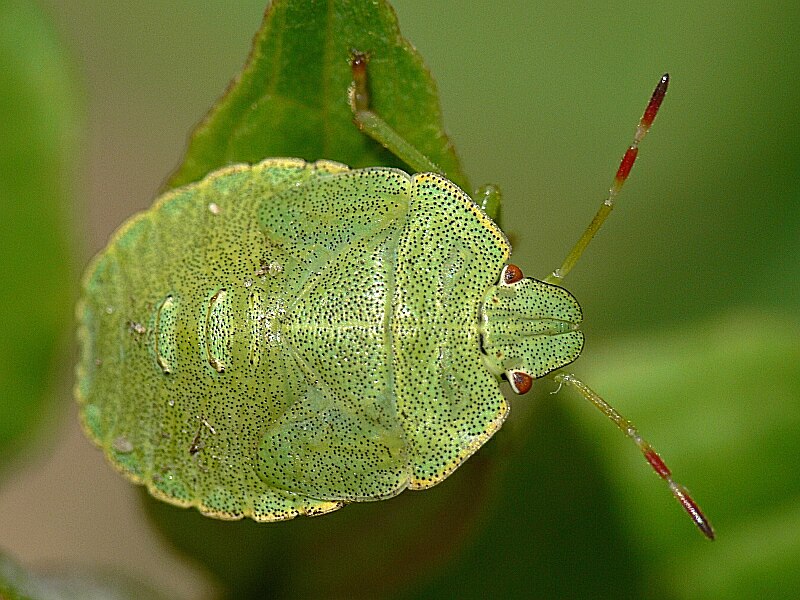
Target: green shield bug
x=287 y=337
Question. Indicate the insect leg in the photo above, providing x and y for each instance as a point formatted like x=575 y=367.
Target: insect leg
x=623 y=171
x=378 y=129
x=489 y=198
x=652 y=457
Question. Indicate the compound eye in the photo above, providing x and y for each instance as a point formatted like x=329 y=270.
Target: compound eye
x=520 y=381
x=510 y=275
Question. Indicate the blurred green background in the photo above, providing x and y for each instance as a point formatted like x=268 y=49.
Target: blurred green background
x=690 y=292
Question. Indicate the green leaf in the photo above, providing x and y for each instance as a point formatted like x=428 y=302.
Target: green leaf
x=38 y=132
x=720 y=400
x=291 y=99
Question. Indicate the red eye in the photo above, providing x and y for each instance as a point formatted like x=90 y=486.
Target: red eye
x=511 y=274
x=520 y=382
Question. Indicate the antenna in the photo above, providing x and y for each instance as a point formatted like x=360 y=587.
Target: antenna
x=681 y=493
x=625 y=166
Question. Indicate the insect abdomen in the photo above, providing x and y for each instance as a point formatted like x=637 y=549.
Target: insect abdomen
x=182 y=366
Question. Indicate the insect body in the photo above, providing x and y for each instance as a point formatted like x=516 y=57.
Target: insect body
x=337 y=338
x=287 y=337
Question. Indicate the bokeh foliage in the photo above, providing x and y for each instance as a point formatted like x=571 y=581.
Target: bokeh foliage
x=691 y=293
x=39 y=127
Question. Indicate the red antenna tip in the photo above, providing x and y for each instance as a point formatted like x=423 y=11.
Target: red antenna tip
x=655 y=102
x=691 y=507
